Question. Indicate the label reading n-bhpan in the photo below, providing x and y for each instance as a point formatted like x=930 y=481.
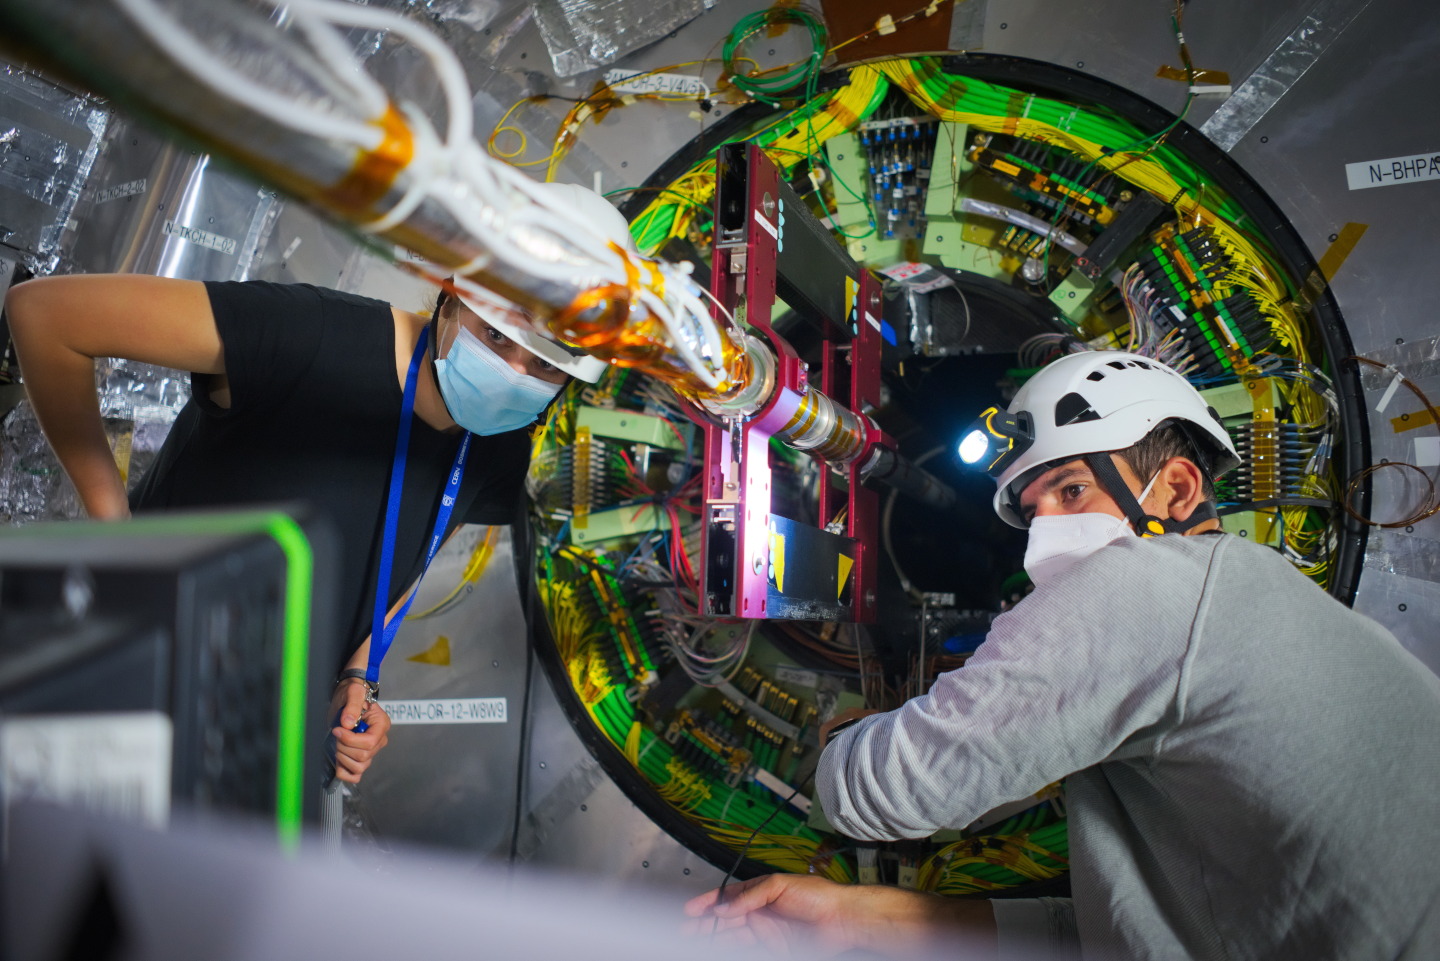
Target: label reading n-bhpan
x=1396 y=170
x=200 y=238
x=456 y=710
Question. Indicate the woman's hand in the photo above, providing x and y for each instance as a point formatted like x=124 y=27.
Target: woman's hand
x=351 y=750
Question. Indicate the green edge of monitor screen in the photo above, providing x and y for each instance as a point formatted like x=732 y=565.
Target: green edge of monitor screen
x=295 y=662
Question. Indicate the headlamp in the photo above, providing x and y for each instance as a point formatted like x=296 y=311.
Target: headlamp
x=995 y=440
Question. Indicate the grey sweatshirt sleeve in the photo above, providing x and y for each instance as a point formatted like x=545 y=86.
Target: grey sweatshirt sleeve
x=1036 y=929
x=1078 y=671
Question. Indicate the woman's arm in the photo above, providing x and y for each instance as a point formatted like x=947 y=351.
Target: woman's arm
x=352 y=751
x=61 y=324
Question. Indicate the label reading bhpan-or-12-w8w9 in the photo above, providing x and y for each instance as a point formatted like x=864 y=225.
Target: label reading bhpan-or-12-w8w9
x=1396 y=170
x=454 y=710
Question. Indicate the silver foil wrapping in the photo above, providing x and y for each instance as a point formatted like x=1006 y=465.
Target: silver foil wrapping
x=138 y=403
x=49 y=137
x=582 y=35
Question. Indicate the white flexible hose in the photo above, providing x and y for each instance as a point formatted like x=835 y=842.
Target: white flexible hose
x=509 y=216
x=156 y=23
x=335 y=54
x=453 y=82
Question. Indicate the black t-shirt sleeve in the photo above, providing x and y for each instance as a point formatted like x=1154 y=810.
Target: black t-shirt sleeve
x=501 y=461
x=271 y=334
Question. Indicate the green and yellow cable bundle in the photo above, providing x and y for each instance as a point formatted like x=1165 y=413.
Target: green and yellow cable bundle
x=787 y=141
x=990 y=863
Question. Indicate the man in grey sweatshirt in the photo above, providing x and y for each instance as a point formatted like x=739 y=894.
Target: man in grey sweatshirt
x=1251 y=765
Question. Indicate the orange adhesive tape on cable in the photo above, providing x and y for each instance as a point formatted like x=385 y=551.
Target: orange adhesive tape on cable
x=374 y=171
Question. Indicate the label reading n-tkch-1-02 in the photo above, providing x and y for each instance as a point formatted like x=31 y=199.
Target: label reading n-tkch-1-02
x=1396 y=170
x=200 y=238
x=453 y=710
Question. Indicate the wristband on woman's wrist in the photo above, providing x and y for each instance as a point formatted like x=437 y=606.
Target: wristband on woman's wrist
x=372 y=690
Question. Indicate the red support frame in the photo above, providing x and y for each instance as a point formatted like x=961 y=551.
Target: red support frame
x=744 y=547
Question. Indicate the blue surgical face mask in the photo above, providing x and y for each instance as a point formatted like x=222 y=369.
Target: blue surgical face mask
x=484 y=394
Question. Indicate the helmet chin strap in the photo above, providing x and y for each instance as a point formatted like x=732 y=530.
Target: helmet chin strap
x=1146 y=525
x=434 y=352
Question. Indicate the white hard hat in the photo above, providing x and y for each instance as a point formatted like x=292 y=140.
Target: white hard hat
x=593 y=210
x=601 y=216
x=1101 y=400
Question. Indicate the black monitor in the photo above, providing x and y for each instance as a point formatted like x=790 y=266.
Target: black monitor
x=212 y=631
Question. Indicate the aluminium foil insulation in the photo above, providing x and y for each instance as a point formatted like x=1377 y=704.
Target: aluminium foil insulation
x=582 y=35
x=49 y=138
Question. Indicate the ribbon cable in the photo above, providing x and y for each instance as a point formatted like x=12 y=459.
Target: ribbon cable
x=382 y=632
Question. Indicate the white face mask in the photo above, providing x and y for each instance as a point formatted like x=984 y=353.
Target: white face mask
x=1060 y=541
x=483 y=393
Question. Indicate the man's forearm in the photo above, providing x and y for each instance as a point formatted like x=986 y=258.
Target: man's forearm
x=898 y=922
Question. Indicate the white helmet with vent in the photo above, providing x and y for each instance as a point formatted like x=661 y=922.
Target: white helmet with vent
x=589 y=208
x=1096 y=401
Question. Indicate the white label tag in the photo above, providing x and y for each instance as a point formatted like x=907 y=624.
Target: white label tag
x=782 y=790
x=677 y=84
x=769 y=227
x=114 y=764
x=794 y=675
x=1427 y=452
x=121 y=190
x=1392 y=171
x=458 y=710
x=200 y=238
x=940 y=280
x=1389 y=394
x=905 y=270
x=920 y=278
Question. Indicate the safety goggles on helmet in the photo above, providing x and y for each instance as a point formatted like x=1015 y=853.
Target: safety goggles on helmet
x=1097 y=401
x=511 y=321
x=598 y=215
x=995 y=439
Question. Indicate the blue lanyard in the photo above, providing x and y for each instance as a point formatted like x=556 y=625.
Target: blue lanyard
x=382 y=633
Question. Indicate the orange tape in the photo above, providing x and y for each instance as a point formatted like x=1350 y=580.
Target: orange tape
x=1339 y=251
x=374 y=171
x=1219 y=77
x=1410 y=421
